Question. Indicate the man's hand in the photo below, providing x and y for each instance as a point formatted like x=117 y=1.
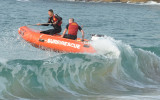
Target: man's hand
x=61 y=36
x=39 y=24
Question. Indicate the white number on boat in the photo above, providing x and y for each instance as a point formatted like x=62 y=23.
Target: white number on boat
x=73 y=45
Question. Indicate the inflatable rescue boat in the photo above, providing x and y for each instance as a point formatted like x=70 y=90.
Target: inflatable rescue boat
x=54 y=42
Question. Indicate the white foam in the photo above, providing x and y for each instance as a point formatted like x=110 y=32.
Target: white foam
x=145 y=3
x=23 y=0
x=151 y=3
x=3 y=61
x=106 y=45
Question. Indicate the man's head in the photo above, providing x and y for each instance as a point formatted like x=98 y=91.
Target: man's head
x=71 y=20
x=50 y=12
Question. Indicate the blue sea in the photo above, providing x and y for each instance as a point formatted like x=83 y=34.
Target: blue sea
x=125 y=67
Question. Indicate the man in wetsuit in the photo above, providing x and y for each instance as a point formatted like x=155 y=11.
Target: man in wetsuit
x=55 y=21
x=72 y=28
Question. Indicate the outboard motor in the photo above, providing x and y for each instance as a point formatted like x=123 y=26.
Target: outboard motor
x=96 y=36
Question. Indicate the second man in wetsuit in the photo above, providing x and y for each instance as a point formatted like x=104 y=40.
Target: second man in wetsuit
x=72 y=28
x=55 y=21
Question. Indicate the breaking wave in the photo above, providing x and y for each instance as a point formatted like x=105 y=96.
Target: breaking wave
x=116 y=68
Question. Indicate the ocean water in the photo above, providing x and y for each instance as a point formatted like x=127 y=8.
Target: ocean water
x=126 y=66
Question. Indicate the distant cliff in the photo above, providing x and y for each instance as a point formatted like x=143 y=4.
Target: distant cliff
x=124 y=1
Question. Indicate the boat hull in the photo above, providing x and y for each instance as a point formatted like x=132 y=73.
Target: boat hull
x=54 y=42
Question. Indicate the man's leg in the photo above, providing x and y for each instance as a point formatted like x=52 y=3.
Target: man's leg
x=47 y=31
x=65 y=36
x=68 y=36
x=55 y=31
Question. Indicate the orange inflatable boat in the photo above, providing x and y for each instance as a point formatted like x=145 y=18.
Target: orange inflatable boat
x=55 y=42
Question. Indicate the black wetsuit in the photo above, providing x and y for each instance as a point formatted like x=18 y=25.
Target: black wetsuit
x=57 y=27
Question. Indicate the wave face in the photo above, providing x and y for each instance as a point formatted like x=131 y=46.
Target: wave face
x=118 y=70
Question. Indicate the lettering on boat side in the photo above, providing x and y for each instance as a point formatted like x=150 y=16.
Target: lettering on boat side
x=73 y=45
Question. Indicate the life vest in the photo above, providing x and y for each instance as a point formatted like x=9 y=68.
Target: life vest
x=55 y=19
x=73 y=28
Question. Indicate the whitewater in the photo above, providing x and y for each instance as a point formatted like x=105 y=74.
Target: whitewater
x=125 y=67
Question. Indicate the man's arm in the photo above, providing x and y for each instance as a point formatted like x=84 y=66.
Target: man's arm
x=45 y=24
x=82 y=35
x=59 y=19
x=81 y=32
x=64 y=32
